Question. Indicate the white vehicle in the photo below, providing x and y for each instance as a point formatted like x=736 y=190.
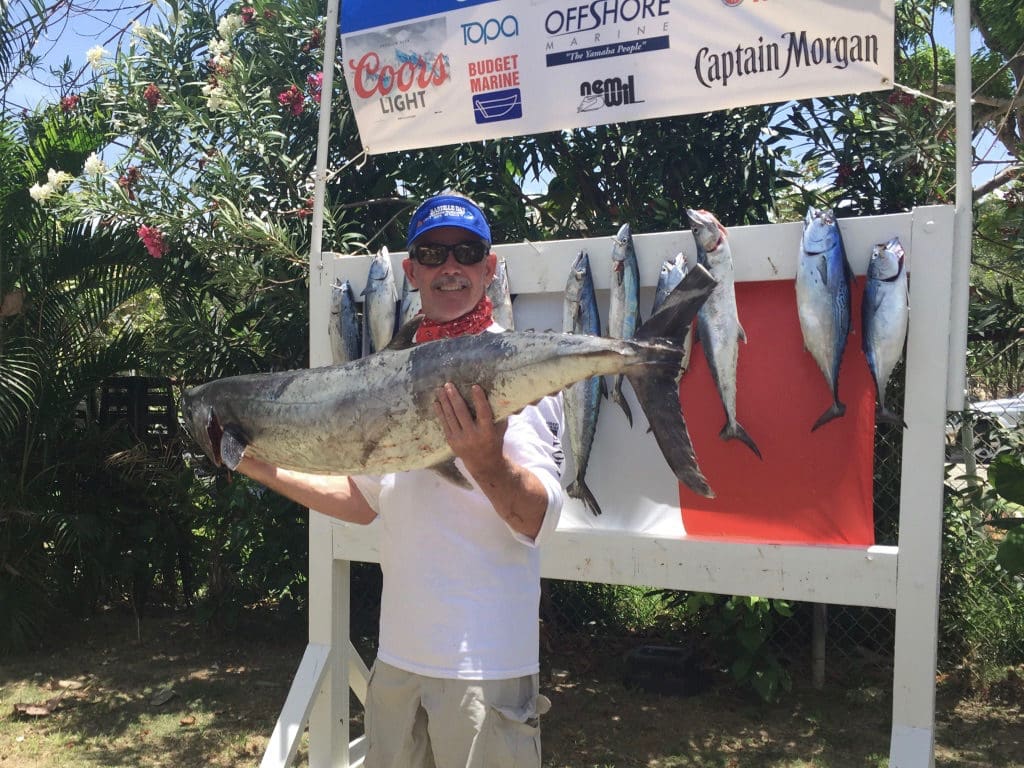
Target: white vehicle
x=992 y=420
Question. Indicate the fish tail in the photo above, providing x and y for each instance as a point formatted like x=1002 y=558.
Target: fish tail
x=658 y=392
x=834 y=411
x=657 y=386
x=886 y=416
x=578 y=490
x=736 y=431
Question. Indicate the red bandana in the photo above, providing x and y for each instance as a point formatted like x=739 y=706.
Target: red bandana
x=473 y=322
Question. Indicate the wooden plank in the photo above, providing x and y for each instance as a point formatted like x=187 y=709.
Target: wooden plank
x=921 y=490
x=838 y=575
x=284 y=741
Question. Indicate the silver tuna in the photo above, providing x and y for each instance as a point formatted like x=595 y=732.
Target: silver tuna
x=885 y=316
x=375 y=415
x=380 y=304
x=718 y=323
x=624 y=306
x=344 y=330
x=582 y=398
x=410 y=305
x=823 y=300
x=501 y=297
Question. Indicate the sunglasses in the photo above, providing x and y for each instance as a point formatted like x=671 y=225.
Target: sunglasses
x=436 y=254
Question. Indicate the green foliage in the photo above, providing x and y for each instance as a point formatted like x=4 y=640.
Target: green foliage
x=737 y=633
x=981 y=616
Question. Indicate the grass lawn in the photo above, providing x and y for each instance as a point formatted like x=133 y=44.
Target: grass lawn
x=182 y=697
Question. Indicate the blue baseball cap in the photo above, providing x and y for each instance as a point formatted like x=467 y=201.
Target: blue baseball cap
x=448 y=211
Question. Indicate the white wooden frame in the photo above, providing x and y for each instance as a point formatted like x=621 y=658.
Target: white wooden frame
x=903 y=577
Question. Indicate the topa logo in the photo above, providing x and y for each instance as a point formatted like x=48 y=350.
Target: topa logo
x=475 y=32
x=610 y=92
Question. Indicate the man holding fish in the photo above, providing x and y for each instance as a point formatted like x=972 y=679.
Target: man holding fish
x=455 y=682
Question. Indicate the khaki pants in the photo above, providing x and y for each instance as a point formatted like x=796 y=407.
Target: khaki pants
x=414 y=721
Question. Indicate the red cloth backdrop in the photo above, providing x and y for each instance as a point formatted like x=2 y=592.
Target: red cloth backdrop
x=811 y=487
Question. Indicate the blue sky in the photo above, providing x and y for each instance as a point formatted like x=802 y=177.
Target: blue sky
x=101 y=25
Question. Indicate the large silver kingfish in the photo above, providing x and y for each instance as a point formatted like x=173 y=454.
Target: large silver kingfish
x=718 y=323
x=583 y=398
x=375 y=415
x=624 y=305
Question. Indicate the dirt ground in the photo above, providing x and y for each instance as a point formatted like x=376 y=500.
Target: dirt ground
x=182 y=697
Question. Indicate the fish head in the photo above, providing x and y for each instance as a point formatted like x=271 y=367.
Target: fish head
x=201 y=423
x=337 y=296
x=578 y=273
x=820 y=231
x=622 y=244
x=708 y=232
x=886 y=261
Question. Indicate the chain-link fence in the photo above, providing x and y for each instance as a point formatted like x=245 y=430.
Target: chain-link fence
x=981 y=609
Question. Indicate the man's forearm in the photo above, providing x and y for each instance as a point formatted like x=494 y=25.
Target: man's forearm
x=334 y=495
x=519 y=498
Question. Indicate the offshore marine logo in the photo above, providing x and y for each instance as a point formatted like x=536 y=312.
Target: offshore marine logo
x=590 y=16
x=475 y=32
x=610 y=92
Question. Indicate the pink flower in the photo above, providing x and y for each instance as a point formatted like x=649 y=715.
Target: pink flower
x=69 y=103
x=248 y=14
x=291 y=98
x=154 y=240
x=315 y=84
x=152 y=95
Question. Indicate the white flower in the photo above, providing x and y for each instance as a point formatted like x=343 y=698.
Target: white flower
x=94 y=166
x=216 y=97
x=218 y=47
x=57 y=180
x=139 y=30
x=228 y=25
x=95 y=56
x=40 y=192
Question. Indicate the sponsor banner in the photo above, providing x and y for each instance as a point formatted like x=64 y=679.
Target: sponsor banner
x=435 y=72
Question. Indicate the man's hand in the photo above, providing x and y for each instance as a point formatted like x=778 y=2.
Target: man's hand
x=516 y=494
x=476 y=440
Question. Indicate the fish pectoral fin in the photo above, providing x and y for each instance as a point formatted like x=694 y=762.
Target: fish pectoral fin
x=232 y=446
x=450 y=472
x=740 y=333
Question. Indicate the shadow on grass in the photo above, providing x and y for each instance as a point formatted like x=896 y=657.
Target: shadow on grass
x=180 y=697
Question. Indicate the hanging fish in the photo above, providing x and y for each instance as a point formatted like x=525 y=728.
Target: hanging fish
x=624 y=309
x=823 y=300
x=718 y=323
x=410 y=302
x=380 y=304
x=501 y=298
x=671 y=273
x=885 y=315
x=583 y=398
x=344 y=330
